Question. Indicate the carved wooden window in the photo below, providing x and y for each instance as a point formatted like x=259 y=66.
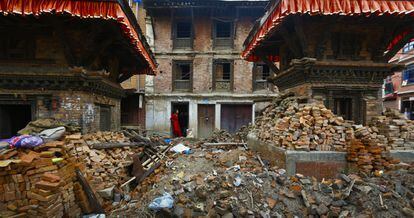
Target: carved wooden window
x=182 y=34
x=260 y=74
x=223 y=33
x=223 y=75
x=16 y=47
x=182 y=75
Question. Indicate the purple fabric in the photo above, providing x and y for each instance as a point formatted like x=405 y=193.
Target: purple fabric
x=25 y=141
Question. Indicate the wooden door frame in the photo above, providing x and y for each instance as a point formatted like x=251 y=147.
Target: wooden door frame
x=198 y=116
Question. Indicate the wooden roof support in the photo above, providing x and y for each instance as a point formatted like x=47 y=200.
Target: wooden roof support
x=298 y=23
x=271 y=65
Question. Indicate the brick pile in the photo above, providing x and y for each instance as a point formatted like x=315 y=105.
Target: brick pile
x=369 y=155
x=104 y=167
x=38 y=182
x=398 y=130
x=294 y=126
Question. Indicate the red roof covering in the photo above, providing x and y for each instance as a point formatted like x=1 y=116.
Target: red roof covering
x=285 y=8
x=105 y=9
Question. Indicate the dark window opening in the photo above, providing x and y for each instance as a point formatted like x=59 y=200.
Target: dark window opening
x=105 y=118
x=183 y=30
x=223 y=29
x=13 y=118
x=182 y=35
x=183 y=115
x=223 y=34
x=223 y=76
x=182 y=76
x=343 y=107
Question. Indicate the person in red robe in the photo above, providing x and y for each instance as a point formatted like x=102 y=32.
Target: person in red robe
x=176 y=124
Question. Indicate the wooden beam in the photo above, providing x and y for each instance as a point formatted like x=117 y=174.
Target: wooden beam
x=298 y=24
x=270 y=64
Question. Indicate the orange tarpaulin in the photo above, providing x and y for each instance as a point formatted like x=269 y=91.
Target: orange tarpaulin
x=285 y=8
x=104 y=9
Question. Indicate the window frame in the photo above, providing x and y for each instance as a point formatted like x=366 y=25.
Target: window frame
x=231 y=80
x=254 y=74
x=409 y=69
x=175 y=69
x=223 y=42
x=177 y=42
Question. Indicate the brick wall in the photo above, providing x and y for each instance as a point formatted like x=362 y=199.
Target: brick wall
x=202 y=55
x=80 y=108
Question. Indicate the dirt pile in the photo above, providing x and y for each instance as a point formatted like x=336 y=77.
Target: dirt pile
x=294 y=126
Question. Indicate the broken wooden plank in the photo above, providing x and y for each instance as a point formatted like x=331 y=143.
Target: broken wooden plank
x=93 y=201
x=116 y=145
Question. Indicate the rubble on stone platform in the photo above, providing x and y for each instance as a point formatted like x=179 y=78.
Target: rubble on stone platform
x=218 y=182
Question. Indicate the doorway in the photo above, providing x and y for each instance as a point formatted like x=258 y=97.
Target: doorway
x=206 y=116
x=14 y=117
x=183 y=115
x=343 y=108
x=234 y=116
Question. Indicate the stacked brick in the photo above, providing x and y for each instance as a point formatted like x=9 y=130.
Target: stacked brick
x=397 y=129
x=294 y=126
x=104 y=167
x=38 y=183
x=369 y=155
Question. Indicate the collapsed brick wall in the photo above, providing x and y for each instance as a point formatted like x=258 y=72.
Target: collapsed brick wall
x=38 y=187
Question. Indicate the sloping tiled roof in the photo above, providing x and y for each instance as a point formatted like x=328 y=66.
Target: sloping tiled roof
x=284 y=8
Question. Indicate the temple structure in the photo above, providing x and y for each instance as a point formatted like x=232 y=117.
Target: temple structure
x=65 y=59
x=333 y=51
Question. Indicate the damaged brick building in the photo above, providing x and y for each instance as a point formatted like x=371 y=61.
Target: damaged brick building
x=65 y=59
x=197 y=45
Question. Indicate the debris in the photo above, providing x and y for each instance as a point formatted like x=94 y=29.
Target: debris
x=180 y=148
x=165 y=201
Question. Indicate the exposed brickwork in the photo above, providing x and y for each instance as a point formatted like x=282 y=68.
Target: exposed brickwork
x=321 y=170
x=202 y=55
x=80 y=108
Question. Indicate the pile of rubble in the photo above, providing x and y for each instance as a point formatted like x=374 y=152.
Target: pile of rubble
x=39 y=182
x=237 y=183
x=398 y=130
x=220 y=136
x=294 y=126
x=104 y=167
x=369 y=156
